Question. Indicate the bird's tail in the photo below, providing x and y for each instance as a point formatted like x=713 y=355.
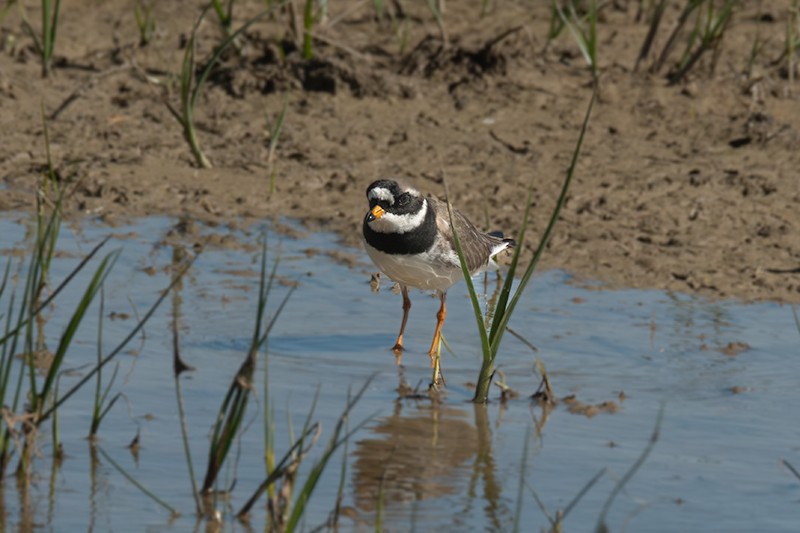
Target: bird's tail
x=502 y=244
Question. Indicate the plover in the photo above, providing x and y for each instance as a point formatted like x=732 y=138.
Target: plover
x=409 y=238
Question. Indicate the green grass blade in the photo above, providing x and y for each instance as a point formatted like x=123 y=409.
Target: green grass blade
x=505 y=292
x=263 y=291
x=223 y=19
x=308 y=24
x=275 y=316
x=36 y=42
x=53 y=31
x=546 y=236
x=578 y=33
x=99 y=385
x=691 y=5
x=473 y=296
x=55 y=428
x=343 y=476
x=378 y=9
x=66 y=339
x=46 y=20
x=55 y=293
x=122 y=344
x=651 y=33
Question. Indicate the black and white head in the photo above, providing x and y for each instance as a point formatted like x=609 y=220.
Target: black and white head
x=394 y=210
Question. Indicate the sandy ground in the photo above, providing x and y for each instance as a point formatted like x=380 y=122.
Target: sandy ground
x=690 y=187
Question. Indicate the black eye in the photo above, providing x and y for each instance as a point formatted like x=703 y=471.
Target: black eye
x=404 y=199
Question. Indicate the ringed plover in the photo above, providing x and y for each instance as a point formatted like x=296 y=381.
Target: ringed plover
x=409 y=238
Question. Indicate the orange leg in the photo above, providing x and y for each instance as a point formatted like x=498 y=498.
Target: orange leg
x=440 y=320
x=398 y=347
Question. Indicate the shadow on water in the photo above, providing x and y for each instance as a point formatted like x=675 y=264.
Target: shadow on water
x=725 y=370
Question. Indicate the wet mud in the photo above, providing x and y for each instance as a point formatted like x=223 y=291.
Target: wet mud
x=690 y=186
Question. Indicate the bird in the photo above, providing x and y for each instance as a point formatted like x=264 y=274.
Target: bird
x=409 y=238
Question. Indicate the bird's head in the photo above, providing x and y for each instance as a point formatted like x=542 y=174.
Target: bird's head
x=393 y=209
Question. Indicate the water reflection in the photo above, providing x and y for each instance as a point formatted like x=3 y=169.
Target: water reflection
x=484 y=487
x=417 y=455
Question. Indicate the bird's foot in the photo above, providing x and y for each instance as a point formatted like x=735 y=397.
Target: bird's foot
x=398 y=352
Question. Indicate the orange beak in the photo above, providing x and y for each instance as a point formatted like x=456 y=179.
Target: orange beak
x=376 y=213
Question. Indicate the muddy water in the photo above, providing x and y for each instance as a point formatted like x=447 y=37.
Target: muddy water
x=724 y=371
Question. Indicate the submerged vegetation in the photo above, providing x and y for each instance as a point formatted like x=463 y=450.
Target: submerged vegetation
x=24 y=329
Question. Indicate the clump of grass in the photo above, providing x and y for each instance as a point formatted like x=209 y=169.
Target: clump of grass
x=490 y=340
x=225 y=15
x=710 y=38
x=145 y=21
x=556 y=25
x=46 y=42
x=379 y=10
x=231 y=413
x=586 y=38
x=436 y=8
x=691 y=5
x=190 y=87
x=758 y=44
x=400 y=30
x=655 y=21
x=20 y=425
x=706 y=35
x=284 y=513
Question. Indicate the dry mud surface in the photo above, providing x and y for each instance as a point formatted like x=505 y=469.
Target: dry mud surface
x=691 y=186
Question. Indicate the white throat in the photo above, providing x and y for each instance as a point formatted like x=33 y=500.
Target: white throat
x=390 y=223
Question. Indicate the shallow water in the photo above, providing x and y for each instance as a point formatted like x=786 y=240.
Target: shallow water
x=454 y=466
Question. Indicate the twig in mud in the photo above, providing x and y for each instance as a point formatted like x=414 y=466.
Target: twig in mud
x=500 y=37
x=510 y=147
x=88 y=84
x=523 y=339
x=334 y=21
x=340 y=46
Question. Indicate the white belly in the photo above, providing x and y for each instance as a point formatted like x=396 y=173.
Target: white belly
x=427 y=271
x=423 y=271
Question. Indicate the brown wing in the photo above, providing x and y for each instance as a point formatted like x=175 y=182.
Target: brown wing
x=477 y=246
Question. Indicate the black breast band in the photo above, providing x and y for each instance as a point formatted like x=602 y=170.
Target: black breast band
x=413 y=242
